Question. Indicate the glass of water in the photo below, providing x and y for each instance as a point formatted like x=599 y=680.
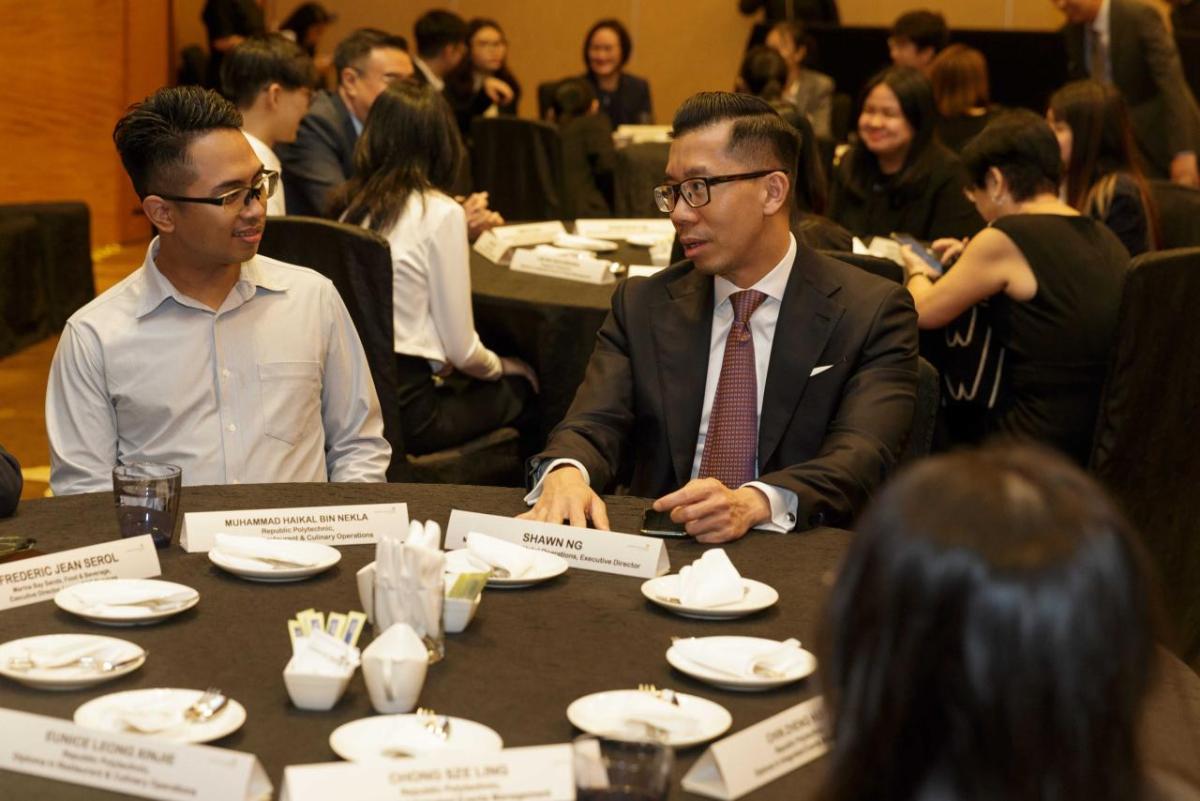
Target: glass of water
x=146 y=495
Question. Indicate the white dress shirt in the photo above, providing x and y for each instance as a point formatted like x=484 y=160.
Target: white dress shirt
x=762 y=328
x=431 y=287
x=275 y=204
x=272 y=387
x=434 y=80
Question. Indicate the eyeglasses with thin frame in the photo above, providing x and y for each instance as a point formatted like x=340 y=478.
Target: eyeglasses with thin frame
x=262 y=188
x=695 y=191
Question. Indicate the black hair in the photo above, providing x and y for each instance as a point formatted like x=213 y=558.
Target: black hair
x=764 y=73
x=923 y=28
x=616 y=27
x=437 y=28
x=351 y=51
x=915 y=95
x=306 y=16
x=990 y=635
x=573 y=98
x=260 y=61
x=410 y=143
x=461 y=81
x=153 y=136
x=1021 y=145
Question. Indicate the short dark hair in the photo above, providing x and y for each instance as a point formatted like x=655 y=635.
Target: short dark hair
x=991 y=633
x=437 y=28
x=764 y=73
x=1022 y=147
x=260 y=61
x=759 y=134
x=153 y=136
x=616 y=27
x=358 y=45
x=572 y=98
x=923 y=28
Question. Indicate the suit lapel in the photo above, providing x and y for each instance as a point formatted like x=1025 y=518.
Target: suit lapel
x=682 y=329
x=807 y=318
x=348 y=131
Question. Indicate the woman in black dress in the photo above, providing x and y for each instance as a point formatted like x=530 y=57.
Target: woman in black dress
x=482 y=85
x=1052 y=280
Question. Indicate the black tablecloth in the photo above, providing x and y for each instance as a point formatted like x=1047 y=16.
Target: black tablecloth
x=525 y=657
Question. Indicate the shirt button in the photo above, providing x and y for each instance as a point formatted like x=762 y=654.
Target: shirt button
x=232 y=427
x=225 y=374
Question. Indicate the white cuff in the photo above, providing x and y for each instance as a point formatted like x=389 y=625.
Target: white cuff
x=536 y=492
x=783 y=507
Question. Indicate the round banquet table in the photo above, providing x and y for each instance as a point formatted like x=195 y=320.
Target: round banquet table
x=527 y=654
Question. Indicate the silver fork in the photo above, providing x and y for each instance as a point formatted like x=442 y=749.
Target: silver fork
x=85 y=662
x=206 y=706
x=435 y=724
x=662 y=695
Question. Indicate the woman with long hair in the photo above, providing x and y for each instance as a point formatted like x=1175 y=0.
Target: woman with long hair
x=1104 y=178
x=959 y=76
x=451 y=387
x=896 y=177
x=808 y=90
x=482 y=85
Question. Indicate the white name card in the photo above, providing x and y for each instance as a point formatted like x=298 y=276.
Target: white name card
x=39 y=578
x=495 y=243
x=127 y=763
x=360 y=524
x=584 y=548
x=572 y=266
x=745 y=761
x=643 y=270
x=635 y=134
x=619 y=229
x=541 y=773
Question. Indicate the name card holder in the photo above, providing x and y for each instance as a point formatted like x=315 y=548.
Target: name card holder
x=760 y=754
x=569 y=266
x=128 y=763
x=619 y=229
x=583 y=548
x=540 y=773
x=29 y=581
x=495 y=244
x=359 y=524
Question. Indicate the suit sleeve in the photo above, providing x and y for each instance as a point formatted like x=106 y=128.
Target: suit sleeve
x=10 y=483
x=598 y=424
x=312 y=166
x=870 y=426
x=1162 y=59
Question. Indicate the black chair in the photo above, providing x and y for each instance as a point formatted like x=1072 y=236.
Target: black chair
x=884 y=268
x=920 y=436
x=1144 y=449
x=640 y=168
x=840 y=121
x=545 y=97
x=1179 y=212
x=193 y=66
x=519 y=164
x=359 y=263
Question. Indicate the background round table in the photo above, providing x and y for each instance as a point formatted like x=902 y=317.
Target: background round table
x=524 y=658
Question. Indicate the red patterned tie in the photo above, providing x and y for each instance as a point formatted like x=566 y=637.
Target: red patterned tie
x=731 y=444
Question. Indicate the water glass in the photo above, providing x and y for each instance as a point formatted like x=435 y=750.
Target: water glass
x=608 y=769
x=146 y=495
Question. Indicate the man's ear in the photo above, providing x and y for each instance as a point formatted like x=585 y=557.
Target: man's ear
x=274 y=92
x=779 y=191
x=348 y=79
x=159 y=212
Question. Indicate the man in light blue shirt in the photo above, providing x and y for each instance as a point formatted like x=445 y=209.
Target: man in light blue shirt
x=236 y=367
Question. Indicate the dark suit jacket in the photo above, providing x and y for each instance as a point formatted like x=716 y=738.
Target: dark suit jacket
x=829 y=438
x=321 y=158
x=10 y=483
x=1146 y=68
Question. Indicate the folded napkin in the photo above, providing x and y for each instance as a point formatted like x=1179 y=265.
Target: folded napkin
x=741 y=660
x=710 y=581
x=248 y=552
x=101 y=594
x=427 y=535
x=493 y=552
x=409 y=583
x=45 y=657
x=155 y=714
x=322 y=654
x=645 y=708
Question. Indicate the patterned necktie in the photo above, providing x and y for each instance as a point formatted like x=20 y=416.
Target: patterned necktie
x=731 y=443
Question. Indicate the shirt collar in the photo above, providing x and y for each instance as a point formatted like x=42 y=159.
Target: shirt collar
x=156 y=287
x=431 y=76
x=773 y=284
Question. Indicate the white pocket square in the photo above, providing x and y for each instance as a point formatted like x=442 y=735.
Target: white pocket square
x=818 y=370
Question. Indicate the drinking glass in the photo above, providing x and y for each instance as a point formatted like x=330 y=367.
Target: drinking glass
x=146 y=495
x=609 y=769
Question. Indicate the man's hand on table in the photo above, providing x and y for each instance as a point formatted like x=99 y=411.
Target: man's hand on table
x=714 y=513
x=566 y=497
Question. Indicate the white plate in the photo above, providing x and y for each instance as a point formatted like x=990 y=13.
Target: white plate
x=74 y=676
x=367 y=739
x=726 y=681
x=757 y=596
x=546 y=566
x=255 y=570
x=131 y=615
x=104 y=714
x=574 y=242
x=596 y=713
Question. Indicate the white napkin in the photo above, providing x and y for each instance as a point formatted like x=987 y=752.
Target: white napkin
x=494 y=552
x=740 y=661
x=638 y=708
x=46 y=657
x=428 y=535
x=322 y=654
x=247 y=552
x=576 y=242
x=710 y=581
x=409 y=587
x=102 y=594
x=153 y=716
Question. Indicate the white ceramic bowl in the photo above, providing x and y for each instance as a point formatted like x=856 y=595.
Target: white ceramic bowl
x=457 y=613
x=312 y=691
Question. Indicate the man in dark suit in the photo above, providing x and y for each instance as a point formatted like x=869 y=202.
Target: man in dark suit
x=10 y=483
x=1124 y=42
x=757 y=384
x=322 y=157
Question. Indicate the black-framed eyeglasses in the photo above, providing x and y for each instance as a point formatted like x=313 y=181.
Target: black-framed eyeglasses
x=695 y=191
x=260 y=189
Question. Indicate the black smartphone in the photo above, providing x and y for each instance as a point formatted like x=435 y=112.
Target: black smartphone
x=921 y=251
x=660 y=524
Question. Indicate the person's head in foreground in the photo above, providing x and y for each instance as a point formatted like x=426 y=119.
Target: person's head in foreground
x=199 y=181
x=990 y=636
x=1013 y=160
x=729 y=182
x=916 y=38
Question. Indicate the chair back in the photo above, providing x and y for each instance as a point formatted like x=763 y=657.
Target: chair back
x=1179 y=212
x=519 y=164
x=884 y=268
x=1145 y=449
x=359 y=263
x=920 y=436
x=840 y=117
x=545 y=97
x=639 y=169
